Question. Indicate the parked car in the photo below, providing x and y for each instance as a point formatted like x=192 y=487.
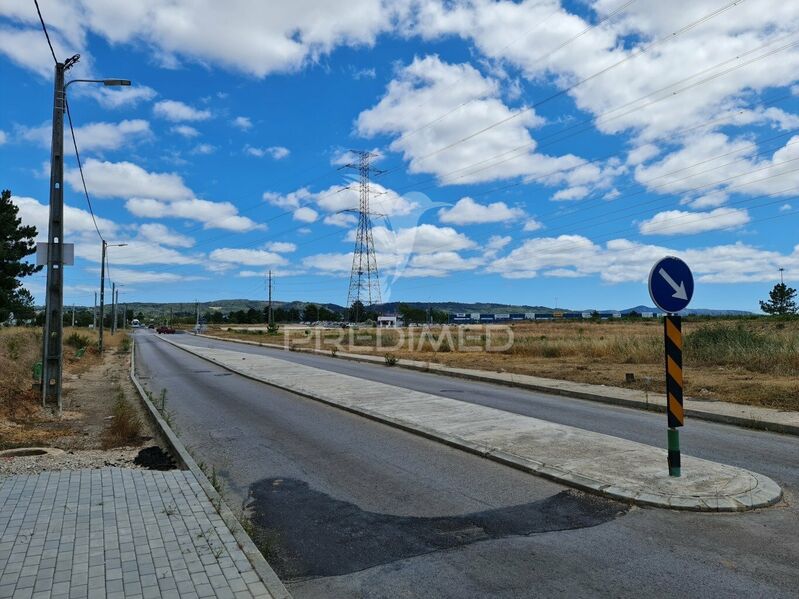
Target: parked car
x=152 y=326
x=165 y=330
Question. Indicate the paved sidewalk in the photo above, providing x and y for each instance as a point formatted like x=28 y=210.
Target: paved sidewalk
x=117 y=532
x=770 y=419
x=584 y=459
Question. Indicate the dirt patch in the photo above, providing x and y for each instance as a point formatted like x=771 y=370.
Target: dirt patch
x=103 y=420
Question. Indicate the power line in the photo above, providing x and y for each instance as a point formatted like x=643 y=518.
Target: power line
x=573 y=86
x=80 y=168
x=44 y=28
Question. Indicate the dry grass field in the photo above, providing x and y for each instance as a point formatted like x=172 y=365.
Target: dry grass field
x=751 y=361
x=85 y=423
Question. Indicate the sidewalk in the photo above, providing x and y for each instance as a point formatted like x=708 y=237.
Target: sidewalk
x=116 y=532
x=769 y=419
x=599 y=463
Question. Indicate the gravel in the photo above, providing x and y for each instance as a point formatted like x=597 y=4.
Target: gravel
x=70 y=460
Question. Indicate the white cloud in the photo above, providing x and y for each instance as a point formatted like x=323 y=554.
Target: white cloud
x=785 y=208
x=305 y=214
x=257 y=38
x=467 y=211
x=677 y=222
x=94 y=136
x=621 y=260
x=118 y=97
x=204 y=149
x=339 y=198
x=3 y=137
x=158 y=233
x=238 y=257
x=125 y=179
x=276 y=152
x=185 y=131
x=428 y=88
x=340 y=219
x=76 y=221
x=421 y=239
x=213 y=215
x=281 y=247
x=572 y=193
x=242 y=122
x=532 y=224
x=174 y=110
x=127 y=276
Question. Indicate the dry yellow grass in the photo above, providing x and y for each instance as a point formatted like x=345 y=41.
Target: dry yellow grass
x=750 y=361
x=22 y=419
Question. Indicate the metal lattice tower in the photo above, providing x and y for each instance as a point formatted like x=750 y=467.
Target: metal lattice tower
x=364 y=278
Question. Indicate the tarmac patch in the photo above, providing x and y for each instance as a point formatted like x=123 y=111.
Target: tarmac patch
x=312 y=534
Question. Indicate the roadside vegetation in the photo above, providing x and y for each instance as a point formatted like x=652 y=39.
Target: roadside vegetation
x=749 y=360
x=23 y=421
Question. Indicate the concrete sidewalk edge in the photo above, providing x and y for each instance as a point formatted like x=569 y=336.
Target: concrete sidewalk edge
x=489 y=377
x=771 y=492
x=265 y=572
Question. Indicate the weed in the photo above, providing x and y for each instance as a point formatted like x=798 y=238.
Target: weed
x=391 y=359
x=125 y=425
x=77 y=340
x=124 y=345
x=334 y=351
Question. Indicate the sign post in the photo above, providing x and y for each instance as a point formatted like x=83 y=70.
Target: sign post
x=671 y=287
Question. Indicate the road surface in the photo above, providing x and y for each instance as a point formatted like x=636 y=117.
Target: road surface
x=354 y=508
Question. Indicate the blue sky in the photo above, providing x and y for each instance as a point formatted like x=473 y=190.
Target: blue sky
x=534 y=152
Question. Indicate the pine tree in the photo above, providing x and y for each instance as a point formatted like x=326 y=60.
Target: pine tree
x=781 y=300
x=16 y=242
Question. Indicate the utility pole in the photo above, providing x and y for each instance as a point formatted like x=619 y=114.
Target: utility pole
x=124 y=315
x=116 y=311
x=781 y=281
x=113 y=308
x=73 y=316
x=54 y=293
x=94 y=313
x=102 y=294
x=197 y=317
x=269 y=319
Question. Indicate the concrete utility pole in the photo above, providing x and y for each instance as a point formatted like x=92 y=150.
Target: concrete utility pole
x=197 y=317
x=269 y=319
x=124 y=315
x=73 y=316
x=54 y=292
x=52 y=356
x=94 y=312
x=113 y=308
x=781 y=281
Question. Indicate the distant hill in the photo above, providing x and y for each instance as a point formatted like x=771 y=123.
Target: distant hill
x=694 y=311
x=226 y=306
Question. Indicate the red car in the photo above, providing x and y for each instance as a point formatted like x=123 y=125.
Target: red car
x=165 y=330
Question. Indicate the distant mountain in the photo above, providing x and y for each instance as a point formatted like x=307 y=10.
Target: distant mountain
x=178 y=309
x=688 y=311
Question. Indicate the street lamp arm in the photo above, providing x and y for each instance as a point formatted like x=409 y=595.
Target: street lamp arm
x=106 y=82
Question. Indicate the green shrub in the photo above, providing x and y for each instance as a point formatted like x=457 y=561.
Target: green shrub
x=77 y=340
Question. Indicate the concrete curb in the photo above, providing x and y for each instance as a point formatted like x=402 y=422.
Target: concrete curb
x=657 y=404
x=265 y=572
x=767 y=492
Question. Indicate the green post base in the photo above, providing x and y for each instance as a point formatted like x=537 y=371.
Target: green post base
x=674 y=452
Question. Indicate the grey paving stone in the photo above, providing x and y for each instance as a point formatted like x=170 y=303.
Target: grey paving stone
x=116 y=533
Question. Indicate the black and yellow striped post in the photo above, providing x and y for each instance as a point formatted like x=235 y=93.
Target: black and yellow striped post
x=674 y=409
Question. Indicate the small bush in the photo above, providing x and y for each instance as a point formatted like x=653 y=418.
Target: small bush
x=78 y=341
x=391 y=360
x=124 y=345
x=125 y=426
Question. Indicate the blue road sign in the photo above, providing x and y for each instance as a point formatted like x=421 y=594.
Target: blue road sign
x=671 y=284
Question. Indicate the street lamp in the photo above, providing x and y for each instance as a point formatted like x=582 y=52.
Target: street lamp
x=52 y=359
x=106 y=245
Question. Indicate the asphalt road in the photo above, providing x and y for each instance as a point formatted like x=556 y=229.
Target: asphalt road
x=353 y=508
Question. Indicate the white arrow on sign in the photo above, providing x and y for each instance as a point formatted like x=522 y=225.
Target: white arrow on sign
x=679 y=290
